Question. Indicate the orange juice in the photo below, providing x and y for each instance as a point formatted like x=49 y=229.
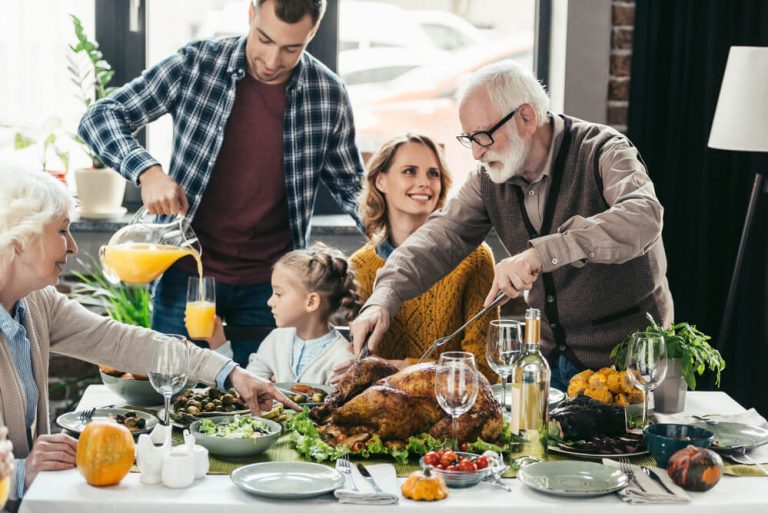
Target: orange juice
x=5 y=484
x=199 y=318
x=136 y=263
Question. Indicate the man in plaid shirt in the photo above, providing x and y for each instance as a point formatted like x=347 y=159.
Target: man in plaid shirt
x=258 y=124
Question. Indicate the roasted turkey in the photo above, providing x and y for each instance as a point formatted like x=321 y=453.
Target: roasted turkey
x=374 y=398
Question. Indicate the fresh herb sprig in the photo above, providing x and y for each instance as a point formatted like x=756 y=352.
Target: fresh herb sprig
x=683 y=341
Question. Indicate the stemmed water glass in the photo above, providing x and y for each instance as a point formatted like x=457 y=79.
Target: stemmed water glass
x=502 y=348
x=646 y=364
x=169 y=372
x=456 y=387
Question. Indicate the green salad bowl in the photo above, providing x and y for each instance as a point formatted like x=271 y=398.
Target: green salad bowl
x=235 y=448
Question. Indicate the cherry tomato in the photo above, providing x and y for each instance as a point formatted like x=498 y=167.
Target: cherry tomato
x=431 y=458
x=482 y=462
x=453 y=468
x=465 y=446
x=467 y=466
x=448 y=458
x=359 y=446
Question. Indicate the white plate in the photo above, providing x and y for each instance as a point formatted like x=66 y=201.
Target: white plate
x=102 y=215
x=287 y=480
x=573 y=478
x=555 y=395
x=71 y=420
x=593 y=456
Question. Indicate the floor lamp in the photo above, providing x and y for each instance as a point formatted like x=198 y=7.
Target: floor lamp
x=741 y=124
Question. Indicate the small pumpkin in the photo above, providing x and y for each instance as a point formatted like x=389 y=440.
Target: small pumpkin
x=695 y=468
x=104 y=453
x=424 y=486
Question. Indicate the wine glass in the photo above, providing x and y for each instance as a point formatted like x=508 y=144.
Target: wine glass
x=646 y=364
x=168 y=373
x=502 y=348
x=456 y=387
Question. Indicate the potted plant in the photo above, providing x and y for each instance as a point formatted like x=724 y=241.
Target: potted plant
x=99 y=189
x=688 y=354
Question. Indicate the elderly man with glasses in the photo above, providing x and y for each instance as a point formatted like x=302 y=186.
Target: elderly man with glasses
x=572 y=203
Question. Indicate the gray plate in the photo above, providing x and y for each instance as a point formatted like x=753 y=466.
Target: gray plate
x=592 y=456
x=287 y=480
x=71 y=420
x=325 y=388
x=573 y=478
x=555 y=395
x=732 y=435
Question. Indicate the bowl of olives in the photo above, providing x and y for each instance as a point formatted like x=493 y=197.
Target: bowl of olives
x=196 y=403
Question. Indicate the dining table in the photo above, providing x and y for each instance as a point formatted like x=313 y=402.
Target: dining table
x=67 y=491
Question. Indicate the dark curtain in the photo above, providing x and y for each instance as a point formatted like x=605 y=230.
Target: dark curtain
x=679 y=56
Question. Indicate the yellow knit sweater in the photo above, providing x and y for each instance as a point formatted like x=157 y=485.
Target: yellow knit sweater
x=437 y=312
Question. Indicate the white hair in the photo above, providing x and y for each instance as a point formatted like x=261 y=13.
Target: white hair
x=509 y=86
x=29 y=199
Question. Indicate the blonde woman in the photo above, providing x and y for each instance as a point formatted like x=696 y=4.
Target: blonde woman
x=405 y=182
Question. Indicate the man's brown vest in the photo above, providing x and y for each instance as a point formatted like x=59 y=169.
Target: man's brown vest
x=586 y=310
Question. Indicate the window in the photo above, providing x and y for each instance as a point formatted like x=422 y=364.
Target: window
x=37 y=98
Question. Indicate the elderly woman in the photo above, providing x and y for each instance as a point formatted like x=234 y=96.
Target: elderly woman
x=406 y=181
x=35 y=320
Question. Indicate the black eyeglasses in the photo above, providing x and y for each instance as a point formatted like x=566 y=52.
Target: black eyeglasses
x=483 y=137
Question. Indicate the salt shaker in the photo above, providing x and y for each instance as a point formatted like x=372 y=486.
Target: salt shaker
x=199 y=453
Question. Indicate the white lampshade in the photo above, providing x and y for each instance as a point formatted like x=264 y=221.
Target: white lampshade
x=741 y=117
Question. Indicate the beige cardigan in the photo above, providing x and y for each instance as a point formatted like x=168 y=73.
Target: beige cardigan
x=57 y=324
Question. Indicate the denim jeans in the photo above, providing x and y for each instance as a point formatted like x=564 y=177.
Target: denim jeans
x=238 y=305
x=562 y=372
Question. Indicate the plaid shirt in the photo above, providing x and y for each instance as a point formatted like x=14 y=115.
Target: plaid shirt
x=197 y=87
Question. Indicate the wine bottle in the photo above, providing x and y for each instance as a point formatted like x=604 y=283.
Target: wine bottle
x=530 y=390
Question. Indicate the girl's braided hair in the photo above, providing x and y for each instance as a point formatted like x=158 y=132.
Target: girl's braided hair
x=326 y=271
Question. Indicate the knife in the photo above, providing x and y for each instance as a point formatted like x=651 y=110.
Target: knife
x=367 y=475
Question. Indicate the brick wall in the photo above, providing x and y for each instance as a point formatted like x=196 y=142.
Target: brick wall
x=622 y=21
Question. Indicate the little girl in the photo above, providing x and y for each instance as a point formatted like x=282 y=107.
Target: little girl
x=310 y=289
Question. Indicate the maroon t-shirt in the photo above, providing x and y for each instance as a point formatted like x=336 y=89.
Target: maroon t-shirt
x=242 y=222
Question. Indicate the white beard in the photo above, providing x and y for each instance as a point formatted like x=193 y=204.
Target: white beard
x=509 y=163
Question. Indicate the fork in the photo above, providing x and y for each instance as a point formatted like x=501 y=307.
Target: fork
x=86 y=415
x=342 y=464
x=626 y=467
x=739 y=455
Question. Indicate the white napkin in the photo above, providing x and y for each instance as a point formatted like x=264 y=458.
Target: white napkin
x=385 y=476
x=749 y=417
x=654 y=493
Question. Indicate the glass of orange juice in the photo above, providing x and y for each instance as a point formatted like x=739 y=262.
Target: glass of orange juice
x=201 y=306
x=6 y=460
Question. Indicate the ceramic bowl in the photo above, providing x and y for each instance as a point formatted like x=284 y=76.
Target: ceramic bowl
x=663 y=440
x=235 y=448
x=136 y=391
x=460 y=479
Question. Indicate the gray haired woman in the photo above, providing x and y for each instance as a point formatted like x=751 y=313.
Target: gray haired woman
x=35 y=320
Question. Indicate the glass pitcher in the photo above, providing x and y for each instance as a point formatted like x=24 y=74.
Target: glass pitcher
x=143 y=250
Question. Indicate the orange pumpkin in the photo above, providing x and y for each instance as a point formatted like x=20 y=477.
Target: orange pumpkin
x=104 y=453
x=695 y=468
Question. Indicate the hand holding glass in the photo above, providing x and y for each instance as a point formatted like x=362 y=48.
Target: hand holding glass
x=646 y=364
x=456 y=386
x=168 y=373
x=502 y=348
x=201 y=307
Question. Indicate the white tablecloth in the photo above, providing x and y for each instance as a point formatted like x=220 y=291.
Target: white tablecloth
x=67 y=491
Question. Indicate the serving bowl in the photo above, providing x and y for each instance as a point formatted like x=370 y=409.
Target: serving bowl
x=663 y=440
x=460 y=478
x=235 y=448
x=136 y=391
